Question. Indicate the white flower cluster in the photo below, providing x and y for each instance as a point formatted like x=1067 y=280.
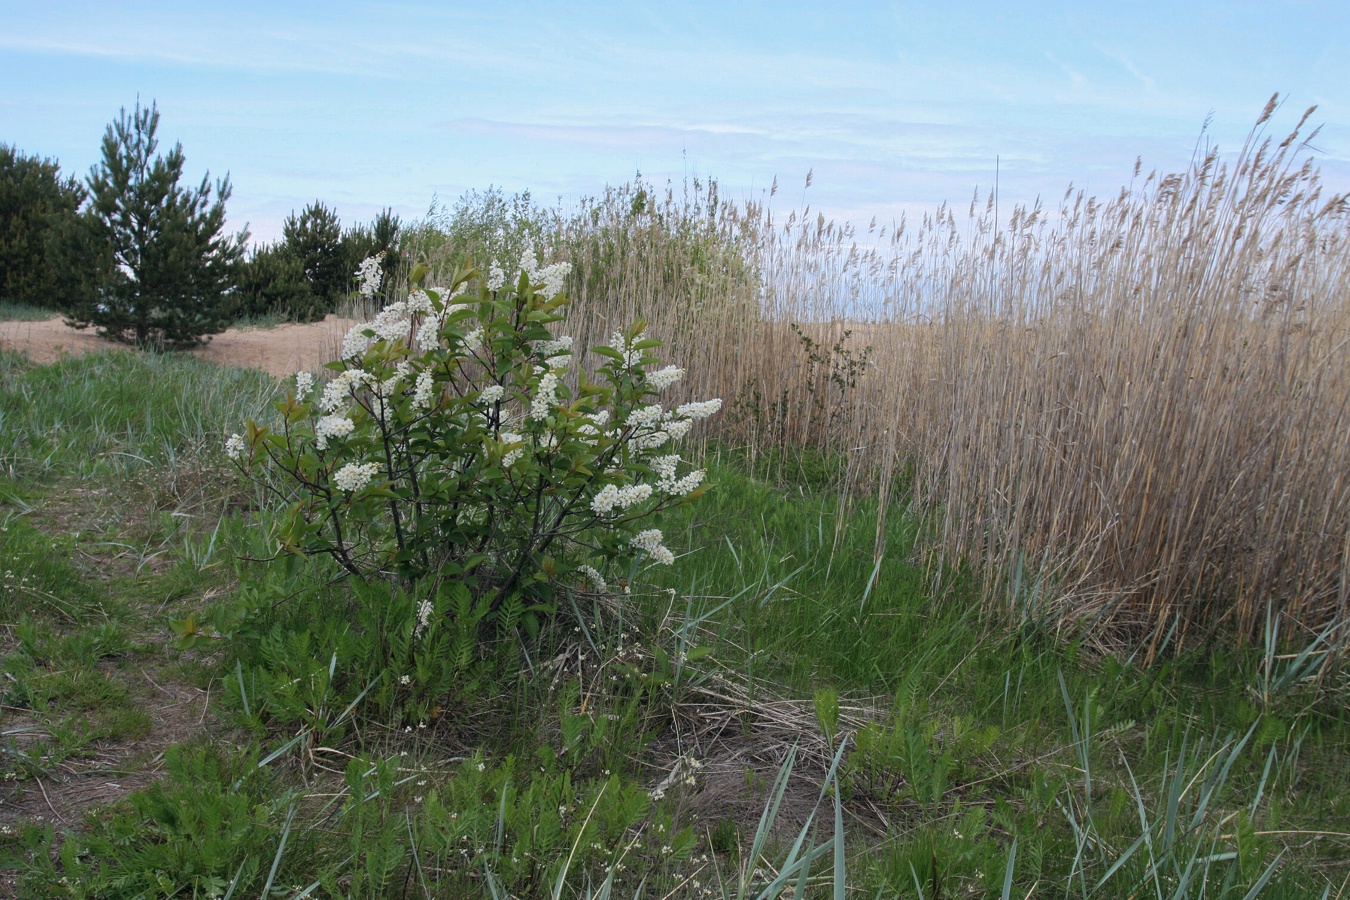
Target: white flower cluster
x=510 y=437
x=355 y=476
x=337 y=391
x=649 y=542
x=304 y=383
x=369 y=274
x=545 y=397
x=678 y=428
x=424 y=611
x=555 y=347
x=611 y=497
x=496 y=278
x=551 y=277
x=645 y=416
x=590 y=430
x=394 y=322
x=422 y=393
x=355 y=342
x=597 y=583
x=492 y=393
x=630 y=356
x=234 y=446
x=646 y=434
x=674 y=424
x=698 y=410
x=664 y=378
x=419 y=301
x=667 y=483
x=332 y=426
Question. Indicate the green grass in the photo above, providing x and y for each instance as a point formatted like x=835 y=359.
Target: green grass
x=16 y=312
x=970 y=754
x=111 y=414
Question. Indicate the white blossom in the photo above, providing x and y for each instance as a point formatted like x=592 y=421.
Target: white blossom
x=419 y=302
x=355 y=476
x=679 y=428
x=422 y=393
x=645 y=415
x=429 y=334
x=234 y=447
x=686 y=485
x=698 y=410
x=664 y=378
x=337 y=391
x=597 y=583
x=424 y=611
x=391 y=323
x=611 y=497
x=510 y=437
x=649 y=542
x=556 y=346
x=304 y=383
x=605 y=499
x=630 y=356
x=649 y=440
x=665 y=467
x=529 y=263
x=356 y=341
x=496 y=278
x=333 y=426
x=492 y=393
x=544 y=397
x=369 y=274
x=553 y=277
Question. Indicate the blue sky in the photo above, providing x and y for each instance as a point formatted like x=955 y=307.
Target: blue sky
x=896 y=107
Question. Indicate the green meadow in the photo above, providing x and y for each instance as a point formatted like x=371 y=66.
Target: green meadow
x=1009 y=580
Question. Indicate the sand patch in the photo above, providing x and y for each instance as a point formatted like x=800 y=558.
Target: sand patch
x=280 y=351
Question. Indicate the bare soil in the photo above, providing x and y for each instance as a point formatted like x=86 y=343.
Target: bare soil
x=280 y=351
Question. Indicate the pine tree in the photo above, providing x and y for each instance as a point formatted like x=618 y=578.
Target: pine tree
x=37 y=206
x=171 y=265
x=272 y=282
x=315 y=238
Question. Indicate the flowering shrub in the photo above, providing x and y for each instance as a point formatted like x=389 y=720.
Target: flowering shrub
x=461 y=446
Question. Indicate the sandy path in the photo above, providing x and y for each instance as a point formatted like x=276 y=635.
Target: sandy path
x=280 y=351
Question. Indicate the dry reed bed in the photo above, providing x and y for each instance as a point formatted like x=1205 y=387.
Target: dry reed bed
x=1138 y=406
x=1129 y=416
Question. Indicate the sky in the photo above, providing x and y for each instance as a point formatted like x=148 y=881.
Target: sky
x=893 y=107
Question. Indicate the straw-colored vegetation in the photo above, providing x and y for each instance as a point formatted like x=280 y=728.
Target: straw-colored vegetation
x=1127 y=414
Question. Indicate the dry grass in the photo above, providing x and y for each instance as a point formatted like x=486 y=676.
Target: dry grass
x=1138 y=405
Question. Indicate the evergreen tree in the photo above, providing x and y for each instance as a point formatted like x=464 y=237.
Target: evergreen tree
x=37 y=209
x=170 y=264
x=272 y=282
x=315 y=239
